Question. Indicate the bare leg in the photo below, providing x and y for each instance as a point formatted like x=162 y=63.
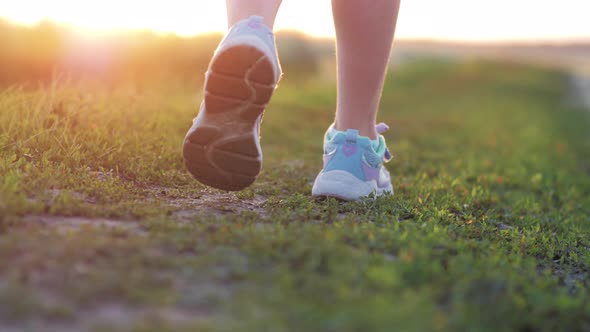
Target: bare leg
x=238 y=10
x=364 y=35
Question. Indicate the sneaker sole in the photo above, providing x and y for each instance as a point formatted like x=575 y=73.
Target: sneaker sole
x=223 y=151
x=345 y=186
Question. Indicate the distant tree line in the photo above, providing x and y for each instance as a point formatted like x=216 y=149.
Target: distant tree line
x=33 y=55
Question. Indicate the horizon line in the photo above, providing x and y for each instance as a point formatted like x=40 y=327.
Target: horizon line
x=417 y=39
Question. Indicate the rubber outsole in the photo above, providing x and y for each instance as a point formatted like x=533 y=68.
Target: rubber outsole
x=345 y=186
x=222 y=150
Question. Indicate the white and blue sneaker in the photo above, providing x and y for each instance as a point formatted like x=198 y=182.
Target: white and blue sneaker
x=222 y=148
x=353 y=165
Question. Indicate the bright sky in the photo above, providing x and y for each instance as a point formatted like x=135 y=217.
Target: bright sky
x=433 y=19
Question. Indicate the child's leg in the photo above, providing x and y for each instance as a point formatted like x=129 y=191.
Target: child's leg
x=364 y=34
x=238 y=10
x=354 y=153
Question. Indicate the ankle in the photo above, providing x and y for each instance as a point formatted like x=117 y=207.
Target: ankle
x=264 y=21
x=365 y=129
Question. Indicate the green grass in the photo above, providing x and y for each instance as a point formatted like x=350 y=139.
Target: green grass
x=488 y=230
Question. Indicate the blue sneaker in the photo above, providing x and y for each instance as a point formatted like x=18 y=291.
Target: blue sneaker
x=222 y=148
x=353 y=166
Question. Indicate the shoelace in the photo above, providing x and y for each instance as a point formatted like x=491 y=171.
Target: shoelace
x=381 y=128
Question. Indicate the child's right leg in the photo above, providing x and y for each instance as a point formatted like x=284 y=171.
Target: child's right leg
x=222 y=148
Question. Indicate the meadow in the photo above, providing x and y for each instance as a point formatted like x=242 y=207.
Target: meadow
x=102 y=228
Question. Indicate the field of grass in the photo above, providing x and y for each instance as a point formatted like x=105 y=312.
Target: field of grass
x=102 y=229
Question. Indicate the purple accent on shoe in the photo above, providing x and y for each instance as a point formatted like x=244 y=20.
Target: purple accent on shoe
x=349 y=149
x=371 y=173
x=381 y=128
x=387 y=156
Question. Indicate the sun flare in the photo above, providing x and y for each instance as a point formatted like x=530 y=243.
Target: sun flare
x=453 y=19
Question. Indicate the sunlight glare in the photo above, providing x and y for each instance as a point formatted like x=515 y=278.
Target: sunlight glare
x=452 y=19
